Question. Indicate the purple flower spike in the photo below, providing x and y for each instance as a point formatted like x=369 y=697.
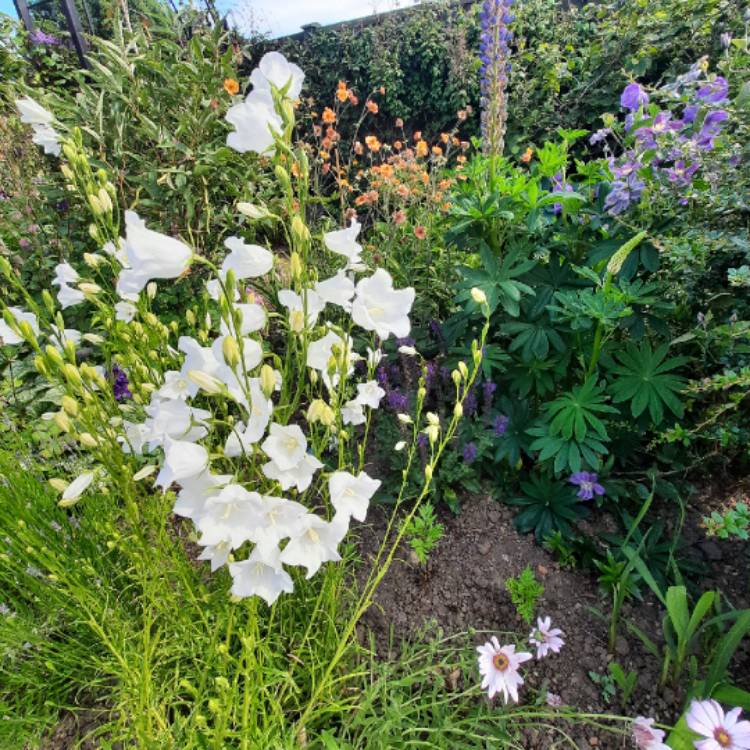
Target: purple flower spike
x=470 y=452
x=587 y=483
x=633 y=97
x=120 y=384
x=500 y=425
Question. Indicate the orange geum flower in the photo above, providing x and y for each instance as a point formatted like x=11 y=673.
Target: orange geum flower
x=461 y=159
x=403 y=191
x=331 y=133
x=327 y=144
x=372 y=106
x=422 y=149
x=526 y=158
x=397 y=145
x=352 y=97
x=329 y=116
x=444 y=137
x=444 y=184
x=399 y=217
x=360 y=200
x=462 y=114
x=231 y=86
x=324 y=155
x=455 y=141
x=437 y=151
x=373 y=196
x=373 y=143
x=420 y=232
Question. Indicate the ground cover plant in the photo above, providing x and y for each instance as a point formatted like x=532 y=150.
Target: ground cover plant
x=323 y=427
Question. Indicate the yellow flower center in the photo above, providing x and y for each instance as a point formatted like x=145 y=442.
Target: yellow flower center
x=721 y=736
x=500 y=661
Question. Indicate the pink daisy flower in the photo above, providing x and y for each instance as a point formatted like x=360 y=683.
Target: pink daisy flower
x=646 y=736
x=545 y=638
x=498 y=666
x=722 y=732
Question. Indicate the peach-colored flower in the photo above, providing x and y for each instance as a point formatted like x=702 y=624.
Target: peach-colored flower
x=399 y=217
x=403 y=191
x=462 y=114
x=397 y=145
x=231 y=86
x=373 y=143
x=444 y=137
x=437 y=151
x=372 y=106
x=526 y=158
x=329 y=116
x=420 y=232
x=422 y=149
x=342 y=92
x=353 y=98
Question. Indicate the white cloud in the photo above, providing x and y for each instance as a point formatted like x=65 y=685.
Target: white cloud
x=282 y=17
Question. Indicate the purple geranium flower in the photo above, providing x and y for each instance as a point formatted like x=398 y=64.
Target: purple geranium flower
x=711 y=128
x=587 y=483
x=690 y=113
x=623 y=194
x=662 y=123
x=681 y=174
x=633 y=97
x=40 y=37
x=599 y=136
x=714 y=92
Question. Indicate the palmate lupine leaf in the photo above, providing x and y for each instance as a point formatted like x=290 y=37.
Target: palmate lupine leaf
x=574 y=414
x=645 y=377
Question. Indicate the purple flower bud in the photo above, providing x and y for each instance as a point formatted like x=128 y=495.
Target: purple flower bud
x=633 y=97
x=588 y=484
x=500 y=425
x=470 y=452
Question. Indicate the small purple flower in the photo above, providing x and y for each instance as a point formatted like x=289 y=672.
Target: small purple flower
x=381 y=375
x=120 y=384
x=726 y=40
x=559 y=185
x=623 y=194
x=680 y=174
x=470 y=452
x=23 y=243
x=406 y=341
x=662 y=123
x=690 y=113
x=633 y=97
x=711 y=128
x=40 y=37
x=587 y=483
x=599 y=136
x=422 y=440
x=500 y=425
x=714 y=92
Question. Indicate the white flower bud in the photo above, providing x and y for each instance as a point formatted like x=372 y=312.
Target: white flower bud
x=478 y=296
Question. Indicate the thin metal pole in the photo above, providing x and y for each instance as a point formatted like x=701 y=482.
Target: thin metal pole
x=76 y=32
x=22 y=8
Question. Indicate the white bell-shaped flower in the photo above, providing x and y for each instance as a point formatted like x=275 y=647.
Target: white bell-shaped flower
x=369 y=394
x=279 y=519
x=217 y=554
x=199 y=359
x=195 y=492
x=175 y=419
x=65 y=275
x=8 y=337
x=125 y=311
x=303 y=310
x=338 y=290
x=300 y=476
x=253 y=319
x=381 y=308
x=150 y=255
x=352 y=413
x=274 y=69
x=344 y=242
x=247 y=261
x=316 y=543
x=32 y=113
x=231 y=515
x=182 y=460
x=261 y=575
x=255 y=121
x=175 y=385
x=351 y=495
x=286 y=445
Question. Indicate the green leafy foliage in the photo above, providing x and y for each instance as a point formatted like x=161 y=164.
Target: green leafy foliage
x=645 y=378
x=423 y=532
x=547 y=506
x=525 y=591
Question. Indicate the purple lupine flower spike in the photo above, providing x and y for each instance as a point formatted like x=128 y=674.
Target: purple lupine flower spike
x=120 y=384
x=494 y=53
